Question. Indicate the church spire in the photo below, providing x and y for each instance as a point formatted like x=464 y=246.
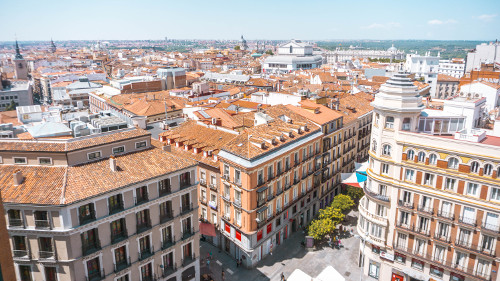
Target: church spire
x=18 y=53
x=52 y=46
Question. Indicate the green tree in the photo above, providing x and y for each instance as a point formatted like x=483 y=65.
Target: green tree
x=237 y=48
x=319 y=228
x=11 y=106
x=269 y=52
x=332 y=214
x=355 y=193
x=342 y=202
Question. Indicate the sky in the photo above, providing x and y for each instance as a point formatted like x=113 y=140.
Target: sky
x=255 y=19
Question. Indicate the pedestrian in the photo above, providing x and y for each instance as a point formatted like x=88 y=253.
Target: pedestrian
x=271 y=251
x=223 y=275
x=208 y=263
x=282 y=276
x=210 y=254
x=237 y=262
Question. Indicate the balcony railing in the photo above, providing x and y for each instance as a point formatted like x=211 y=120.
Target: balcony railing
x=165 y=191
x=169 y=215
x=287 y=186
x=185 y=184
x=442 y=238
x=167 y=270
x=16 y=223
x=213 y=186
x=467 y=221
x=96 y=276
x=141 y=199
x=225 y=177
x=91 y=247
x=146 y=253
x=186 y=208
x=237 y=203
x=475 y=248
x=446 y=215
x=186 y=233
x=203 y=182
x=490 y=227
x=168 y=243
x=115 y=209
x=376 y=196
x=296 y=181
x=21 y=254
x=42 y=224
x=407 y=205
x=46 y=255
x=143 y=226
x=122 y=264
x=261 y=202
x=119 y=236
x=188 y=259
x=86 y=219
x=425 y=209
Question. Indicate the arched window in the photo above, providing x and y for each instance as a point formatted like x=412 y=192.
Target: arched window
x=406 y=124
x=488 y=169
x=421 y=156
x=386 y=150
x=377 y=117
x=474 y=167
x=389 y=122
x=453 y=163
x=374 y=145
x=410 y=155
x=433 y=159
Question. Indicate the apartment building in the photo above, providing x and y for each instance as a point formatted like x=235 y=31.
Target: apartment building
x=203 y=143
x=432 y=199
x=6 y=263
x=110 y=206
x=270 y=183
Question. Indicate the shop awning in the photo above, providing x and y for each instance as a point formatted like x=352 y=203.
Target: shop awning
x=357 y=178
x=207 y=229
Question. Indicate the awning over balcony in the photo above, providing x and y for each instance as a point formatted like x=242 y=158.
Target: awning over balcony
x=207 y=229
x=358 y=177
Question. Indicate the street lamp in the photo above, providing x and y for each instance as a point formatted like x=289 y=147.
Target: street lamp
x=363 y=252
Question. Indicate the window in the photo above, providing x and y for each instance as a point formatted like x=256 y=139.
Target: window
x=20 y=160
x=94 y=155
x=143 y=220
x=185 y=179
x=472 y=189
x=399 y=258
x=25 y=272
x=386 y=150
x=374 y=145
x=45 y=161
x=450 y=184
x=495 y=194
x=389 y=122
x=147 y=272
x=86 y=213
x=420 y=246
x=487 y=243
x=120 y=258
x=119 y=149
x=164 y=187
x=433 y=159
x=488 y=170
x=385 y=169
x=237 y=216
x=115 y=203
x=491 y=221
x=406 y=124
x=410 y=155
x=50 y=273
x=404 y=218
x=376 y=230
x=226 y=191
x=439 y=253
x=410 y=175
x=377 y=118
x=237 y=176
x=374 y=269
x=474 y=167
x=118 y=230
x=417 y=264
x=226 y=170
x=421 y=156
x=482 y=267
x=460 y=260
x=140 y=144
x=443 y=230
x=227 y=211
x=453 y=163
x=429 y=179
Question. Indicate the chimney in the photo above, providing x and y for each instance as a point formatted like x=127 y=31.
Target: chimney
x=112 y=163
x=18 y=177
x=167 y=148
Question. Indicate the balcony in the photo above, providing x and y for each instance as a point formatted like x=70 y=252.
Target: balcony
x=169 y=215
x=90 y=247
x=46 y=255
x=188 y=259
x=186 y=233
x=237 y=203
x=16 y=223
x=42 y=224
x=117 y=208
x=186 y=208
x=225 y=177
x=413 y=228
x=122 y=265
x=279 y=191
x=146 y=253
x=261 y=202
x=213 y=186
x=442 y=238
x=474 y=248
x=143 y=226
x=287 y=186
x=21 y=254
x=167 y=270
x=260 y=182
x=405 y=205
x=165 y=191
x=376 y=196
x=494 y=228
x=185 y=184
x=425 y=209
x=296 y=181
x=168 y=243
x=119 y=236
x=86 y=219
x=203 y=182
x=446 y=215
x=141 y=199
x=467 y=221
x=96 y=276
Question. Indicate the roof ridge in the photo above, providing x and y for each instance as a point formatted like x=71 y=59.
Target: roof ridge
x=63 y=193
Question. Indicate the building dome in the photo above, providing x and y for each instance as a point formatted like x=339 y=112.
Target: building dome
x=392 y=49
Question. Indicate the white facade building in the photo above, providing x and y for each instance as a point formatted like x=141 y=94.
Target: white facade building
x=426 y=67
x=454 y=67
x=340 y=55
x=487 y=90
x=484 y=53
x=292 y=56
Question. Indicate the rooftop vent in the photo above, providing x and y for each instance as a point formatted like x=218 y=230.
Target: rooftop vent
x=112 y=163
x=18 y=177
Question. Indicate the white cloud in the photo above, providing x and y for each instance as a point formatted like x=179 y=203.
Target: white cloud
x=487 y=17
x=382 y=25
x=439 y=22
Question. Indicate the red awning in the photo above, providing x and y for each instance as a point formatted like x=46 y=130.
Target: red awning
x=207 y=229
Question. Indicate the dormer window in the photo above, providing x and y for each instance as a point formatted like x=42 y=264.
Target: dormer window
x=119 y=149
x=140 y=144
x=94 y=155
x=45 y=161
x=20 y=160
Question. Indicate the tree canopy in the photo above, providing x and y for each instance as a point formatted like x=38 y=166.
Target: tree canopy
x=237 y=48
x=355 y=193
x=342 y=202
